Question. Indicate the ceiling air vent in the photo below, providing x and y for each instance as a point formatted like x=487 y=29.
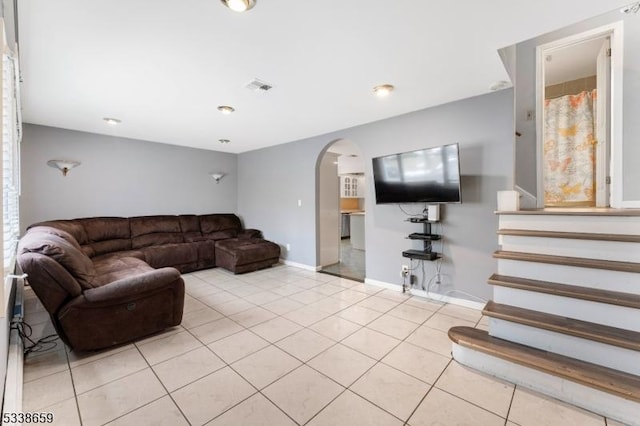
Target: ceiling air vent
x=258 y=85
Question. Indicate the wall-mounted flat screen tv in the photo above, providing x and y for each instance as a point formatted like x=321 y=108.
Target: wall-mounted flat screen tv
x=430 y=175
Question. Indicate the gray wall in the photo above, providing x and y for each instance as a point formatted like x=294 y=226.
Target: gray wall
x=271 y=180
x=7 y=11
x=119 y=177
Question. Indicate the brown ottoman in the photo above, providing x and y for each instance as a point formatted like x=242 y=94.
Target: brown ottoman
x=240 y=255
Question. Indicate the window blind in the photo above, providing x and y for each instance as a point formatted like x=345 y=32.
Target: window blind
x=11 y=136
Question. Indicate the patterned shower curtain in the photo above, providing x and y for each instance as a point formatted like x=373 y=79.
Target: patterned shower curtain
x=569 y=150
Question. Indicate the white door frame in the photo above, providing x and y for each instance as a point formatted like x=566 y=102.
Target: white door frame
x=603 y=85
x=615 y=32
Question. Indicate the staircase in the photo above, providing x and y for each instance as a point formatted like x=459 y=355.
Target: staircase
x=565 y=316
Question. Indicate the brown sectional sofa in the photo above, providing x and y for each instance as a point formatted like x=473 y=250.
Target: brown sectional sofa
x=109 y=280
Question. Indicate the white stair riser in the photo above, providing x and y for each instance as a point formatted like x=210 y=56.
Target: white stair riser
x=574 y=347
x=625 y=282
x=585 y=310
x=625 y=225
x=586 y=249
x=603 y=403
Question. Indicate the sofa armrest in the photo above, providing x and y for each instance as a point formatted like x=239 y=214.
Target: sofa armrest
x=250 y=233
x=130 y=287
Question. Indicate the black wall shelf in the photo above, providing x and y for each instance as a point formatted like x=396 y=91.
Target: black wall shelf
x=426 y=237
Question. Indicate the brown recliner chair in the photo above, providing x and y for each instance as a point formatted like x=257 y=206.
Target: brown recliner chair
x=96 y=304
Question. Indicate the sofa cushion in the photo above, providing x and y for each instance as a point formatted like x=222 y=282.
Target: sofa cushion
x=59 y=232
x=244 y=251
x=190 y=227
x=118 y=254
x=73 y=260
x=107 y=246
x=113 y=268
x=189 y=223
x=156 y=239
x=71 y=226
x=220 y=235
x=144 y=225
x=219 y=222
x=155 y=230
x=106 y=228
x=170 y=254
x=106 y=235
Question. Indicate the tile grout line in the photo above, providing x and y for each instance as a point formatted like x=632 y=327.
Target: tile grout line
x=430 y=389
x=157 y=399
x=377 y=362
x=303 y=363
x=258 y=391
x=381 y=362
x=75 y=395
x=513 y=394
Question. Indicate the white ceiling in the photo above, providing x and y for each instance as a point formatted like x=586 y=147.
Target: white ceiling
x=572 y=62
x=344 y=147
x=163 y=66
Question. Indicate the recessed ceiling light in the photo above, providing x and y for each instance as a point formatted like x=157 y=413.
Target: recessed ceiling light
x=383 y=90
x=112 y=121
x=226 y=109
x=239 y=5
x=224 y=140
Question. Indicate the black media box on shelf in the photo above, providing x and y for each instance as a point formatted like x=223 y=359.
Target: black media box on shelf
x=419 y=219
x=419 y=254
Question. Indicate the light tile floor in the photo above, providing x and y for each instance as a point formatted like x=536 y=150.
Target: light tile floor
x=285 y=346
x=352 y=262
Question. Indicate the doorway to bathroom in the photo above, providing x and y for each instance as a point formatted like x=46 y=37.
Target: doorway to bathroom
x=574 y=133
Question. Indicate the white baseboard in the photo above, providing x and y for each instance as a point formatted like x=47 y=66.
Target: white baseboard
x=301 y=265
x=428 y=295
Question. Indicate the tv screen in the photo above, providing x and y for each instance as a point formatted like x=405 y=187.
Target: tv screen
x=430 y=175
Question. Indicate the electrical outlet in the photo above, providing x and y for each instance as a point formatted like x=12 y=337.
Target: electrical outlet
x=405 y=271
x=288 y=247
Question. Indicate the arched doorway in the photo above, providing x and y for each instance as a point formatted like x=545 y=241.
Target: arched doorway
x=340 y=216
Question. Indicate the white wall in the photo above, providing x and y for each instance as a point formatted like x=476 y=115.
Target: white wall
x=119 y=177
x=348 y=164
x=329 y=215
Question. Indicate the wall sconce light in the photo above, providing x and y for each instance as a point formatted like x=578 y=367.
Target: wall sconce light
x=63 y=165
x=217 y=176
